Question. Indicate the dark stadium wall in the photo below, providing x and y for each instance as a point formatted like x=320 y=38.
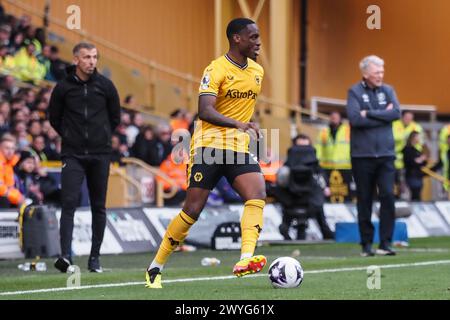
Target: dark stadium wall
x=414 y=41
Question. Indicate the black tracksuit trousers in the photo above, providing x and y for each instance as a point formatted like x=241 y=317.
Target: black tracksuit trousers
x=74 y=169
x=368 y=174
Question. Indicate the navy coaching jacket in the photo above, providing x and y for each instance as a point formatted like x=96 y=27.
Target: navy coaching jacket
x=371 y=136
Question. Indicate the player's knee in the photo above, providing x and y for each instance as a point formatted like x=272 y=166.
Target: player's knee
x=193 y=209
x=259 y=195
x=262 y=195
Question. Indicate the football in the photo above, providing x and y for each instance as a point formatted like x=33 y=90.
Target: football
x=285 y=272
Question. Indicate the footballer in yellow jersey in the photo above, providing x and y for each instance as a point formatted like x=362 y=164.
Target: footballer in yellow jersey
x=220 y=148
x=216 y=149
x=236 y=88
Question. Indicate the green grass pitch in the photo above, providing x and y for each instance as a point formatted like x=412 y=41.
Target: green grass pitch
x=332 y=271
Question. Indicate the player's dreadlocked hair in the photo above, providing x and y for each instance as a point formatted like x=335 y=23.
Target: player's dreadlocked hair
x=237 y=25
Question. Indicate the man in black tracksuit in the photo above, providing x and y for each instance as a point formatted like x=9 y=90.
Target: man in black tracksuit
x=84 y=110
x=371 y=108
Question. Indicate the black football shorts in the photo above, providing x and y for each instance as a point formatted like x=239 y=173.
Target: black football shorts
x=208 y=165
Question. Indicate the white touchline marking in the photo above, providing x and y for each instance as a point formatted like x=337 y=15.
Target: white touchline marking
x=125 y=284
x=423 y=250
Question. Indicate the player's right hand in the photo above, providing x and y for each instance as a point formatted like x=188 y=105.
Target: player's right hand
x=251 y=128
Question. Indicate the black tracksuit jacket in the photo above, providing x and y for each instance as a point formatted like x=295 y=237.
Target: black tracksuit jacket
x=85 y=113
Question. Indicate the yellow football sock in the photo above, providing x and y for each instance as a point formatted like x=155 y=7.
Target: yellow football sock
x=251 y=225
x=175 y=234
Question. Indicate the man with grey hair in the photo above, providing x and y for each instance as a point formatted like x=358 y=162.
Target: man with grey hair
x=84 y=109
x=371 y=108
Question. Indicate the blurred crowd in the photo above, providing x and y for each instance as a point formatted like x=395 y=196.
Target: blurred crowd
x=24 y=53
x=411 y=151
x=27 y=138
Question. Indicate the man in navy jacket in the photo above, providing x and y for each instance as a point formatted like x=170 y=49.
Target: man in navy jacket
x=371 y=108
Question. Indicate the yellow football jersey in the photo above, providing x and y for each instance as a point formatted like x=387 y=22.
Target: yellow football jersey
x=236 y=88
